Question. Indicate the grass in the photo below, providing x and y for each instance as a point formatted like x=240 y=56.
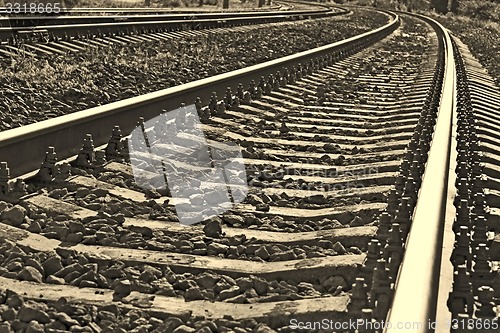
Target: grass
x=477 y=24
x=482 y=37
x=480 y=9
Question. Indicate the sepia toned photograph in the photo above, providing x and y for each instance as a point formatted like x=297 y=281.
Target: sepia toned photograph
x=250 y=166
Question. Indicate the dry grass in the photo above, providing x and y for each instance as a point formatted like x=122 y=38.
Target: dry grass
x=480 y=9
x=477 y=24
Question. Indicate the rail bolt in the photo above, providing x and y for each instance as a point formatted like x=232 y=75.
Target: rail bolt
x=359 y=298
x=247 y=97
x=100 y=160
x=86 y=156
x=463 y=216
x=485 y=297
x=198 y=105
x=381 y=283
x=482 y=273
x=113 y=149
x=461 y=254
x=212 y=105
x=392 y=202
x=240 y=91
x=416 y=173
x=461 y=299
x=262 y=83
x=221 y=108
x=393 y=251
x=403 y=213
x=48 y=170
x=410 y=191
x=366 y=317
x=384 y=223
x=228 y=98
x=252 y=88
x=125 y=150
x=259 y=93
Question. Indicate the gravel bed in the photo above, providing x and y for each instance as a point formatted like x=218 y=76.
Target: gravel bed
x=258 y=176
x=38 y=89
x=315 y=201
x=119 y=208
x=20 y=314
x=108 y=230
x=272 y=127
x=323 y=160
x=67 y=267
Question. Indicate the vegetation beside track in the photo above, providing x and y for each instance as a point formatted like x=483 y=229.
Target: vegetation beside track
x=38 y=89
x=482 y=37
x=475 y=22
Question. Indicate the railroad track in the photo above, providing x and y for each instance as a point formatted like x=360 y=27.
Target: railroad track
x=159 y=10
x=18 y=20
x=348 y=156
x=49 y=47
x=17 y=30
x=145 y=11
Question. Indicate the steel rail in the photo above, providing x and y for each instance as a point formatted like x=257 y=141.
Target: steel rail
x=416 y=287
x=24 y=148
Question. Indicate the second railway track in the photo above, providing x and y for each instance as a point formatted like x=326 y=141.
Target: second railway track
x=347 y=152
x=17 y=29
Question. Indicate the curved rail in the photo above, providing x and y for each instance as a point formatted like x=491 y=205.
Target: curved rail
x=156 y=22
x=24 y=148
x=417 y=285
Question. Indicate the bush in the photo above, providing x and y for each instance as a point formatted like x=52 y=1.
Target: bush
x=108 y=74
x=440 y=6
x=480 y=9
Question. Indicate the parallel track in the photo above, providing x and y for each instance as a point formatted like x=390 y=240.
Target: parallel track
x=297 y=258
x=18 y=27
